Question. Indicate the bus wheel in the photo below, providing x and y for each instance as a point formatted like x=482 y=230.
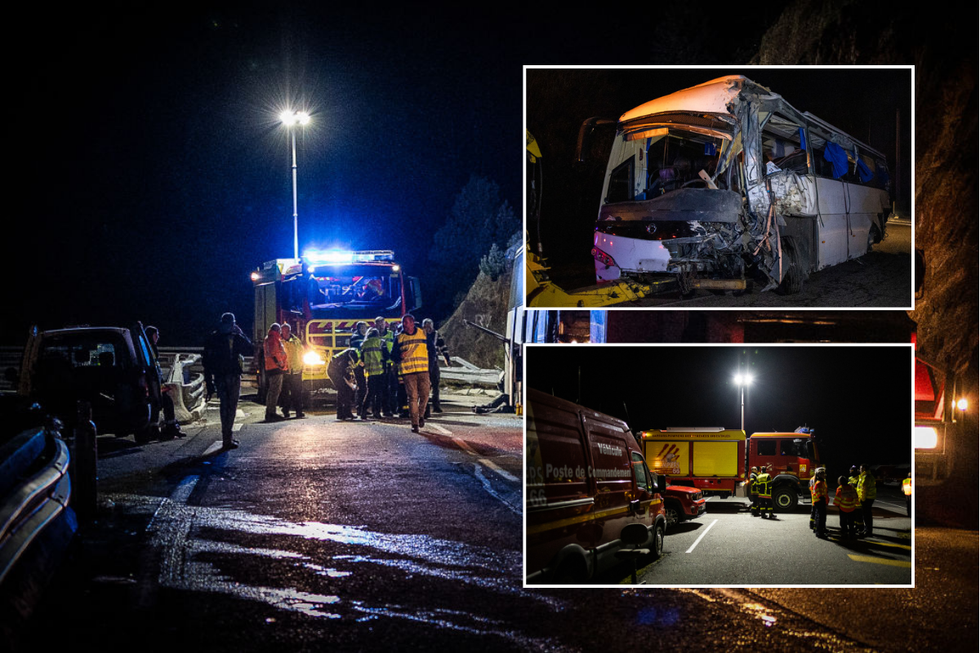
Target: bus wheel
x=873 y=237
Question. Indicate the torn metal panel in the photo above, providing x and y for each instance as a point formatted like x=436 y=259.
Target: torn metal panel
x=682 y=204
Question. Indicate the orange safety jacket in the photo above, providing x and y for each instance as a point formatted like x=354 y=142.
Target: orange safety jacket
x=846 y=498
x=819 y=491
x=275 y=353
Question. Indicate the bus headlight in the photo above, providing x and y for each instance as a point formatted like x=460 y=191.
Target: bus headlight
x=926 y=437
x=312 y=359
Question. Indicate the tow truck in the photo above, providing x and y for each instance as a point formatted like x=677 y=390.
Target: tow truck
x=323 y=295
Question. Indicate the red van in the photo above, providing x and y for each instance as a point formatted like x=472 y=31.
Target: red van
x=587 y=480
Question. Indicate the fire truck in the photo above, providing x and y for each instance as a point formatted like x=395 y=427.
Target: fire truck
x=717 y=460
x=938 y=421
x=323 y=295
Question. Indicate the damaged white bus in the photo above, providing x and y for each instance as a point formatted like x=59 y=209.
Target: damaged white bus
x=725 y=182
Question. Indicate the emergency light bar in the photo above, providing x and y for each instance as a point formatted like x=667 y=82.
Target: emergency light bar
x=346 y=257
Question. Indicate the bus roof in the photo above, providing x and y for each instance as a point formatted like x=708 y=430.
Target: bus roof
x=710 y=97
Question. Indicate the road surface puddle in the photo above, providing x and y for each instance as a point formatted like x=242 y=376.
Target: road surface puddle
x=335 y=571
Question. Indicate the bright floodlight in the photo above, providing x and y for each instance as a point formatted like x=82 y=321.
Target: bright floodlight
x=743 y=379
x=962 y=404
x=290 y=118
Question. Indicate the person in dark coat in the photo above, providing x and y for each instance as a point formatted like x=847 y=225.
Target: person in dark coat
x=341 y=373
x=224 y=350
x=437 y=349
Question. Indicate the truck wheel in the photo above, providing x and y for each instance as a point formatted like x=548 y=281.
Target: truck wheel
x=785 y=500
x=673 y=514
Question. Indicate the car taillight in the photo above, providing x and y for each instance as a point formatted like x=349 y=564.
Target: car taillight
x=602 y=257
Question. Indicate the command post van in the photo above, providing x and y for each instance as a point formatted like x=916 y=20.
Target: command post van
x=587 y=481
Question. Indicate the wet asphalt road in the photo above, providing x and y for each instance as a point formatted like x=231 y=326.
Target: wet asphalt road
x=727 y=546
x=320 y=535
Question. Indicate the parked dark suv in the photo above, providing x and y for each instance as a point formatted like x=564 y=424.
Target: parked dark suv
x=112 y=368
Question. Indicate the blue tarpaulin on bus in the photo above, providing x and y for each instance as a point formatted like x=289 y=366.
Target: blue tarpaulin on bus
x=837 y=157
x=864 y=172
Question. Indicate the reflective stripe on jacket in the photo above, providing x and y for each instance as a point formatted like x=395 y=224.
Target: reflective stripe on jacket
x=846 y=498
x=373 y=356
x=764 y=485
x=866 y=487
x=414 y=355
x=819 y=491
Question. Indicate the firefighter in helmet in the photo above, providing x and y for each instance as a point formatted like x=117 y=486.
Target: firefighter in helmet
x=754 y=491
x=764 y=483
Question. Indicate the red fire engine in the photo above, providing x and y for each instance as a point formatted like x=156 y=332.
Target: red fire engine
x=324 y=294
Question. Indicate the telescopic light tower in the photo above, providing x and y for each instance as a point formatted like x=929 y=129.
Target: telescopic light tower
x=742 y=380
x=292 y=120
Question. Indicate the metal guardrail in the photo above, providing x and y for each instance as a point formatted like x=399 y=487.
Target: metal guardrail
x=34 y=504
x=186 y=388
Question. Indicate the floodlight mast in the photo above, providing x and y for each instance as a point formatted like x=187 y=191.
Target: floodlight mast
x=291 y=119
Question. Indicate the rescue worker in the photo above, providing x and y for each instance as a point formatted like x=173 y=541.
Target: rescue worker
x=276 y=365
x=171 y=428
x=389 y=388
x=813 y=508
x=846 y=500
x=764 y=483
x=754 y=491
x=224 y=350
x=852 y=480
x=907 y=489
x=360 y=395
x=374 y=356
x=341 y=373
x=437 y=349
x=292 y=382
x=866 y=494
x=411 y=354
x=819 y=496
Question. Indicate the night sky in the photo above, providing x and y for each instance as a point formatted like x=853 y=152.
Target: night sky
x=861 y=101
x=151 y=176
x=155 y=176
x=857 y=398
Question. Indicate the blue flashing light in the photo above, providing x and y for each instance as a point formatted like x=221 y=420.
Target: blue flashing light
x=346 y=257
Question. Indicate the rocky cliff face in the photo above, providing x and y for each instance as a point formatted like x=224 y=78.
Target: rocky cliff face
x=942 y=47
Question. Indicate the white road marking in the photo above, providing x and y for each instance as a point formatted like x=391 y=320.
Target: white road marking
x=438 y=429
x=702 y=535
x=464 y=445
x=215 y=446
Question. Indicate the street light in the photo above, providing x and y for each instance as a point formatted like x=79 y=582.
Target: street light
x=292 y=119
x=742 y=380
